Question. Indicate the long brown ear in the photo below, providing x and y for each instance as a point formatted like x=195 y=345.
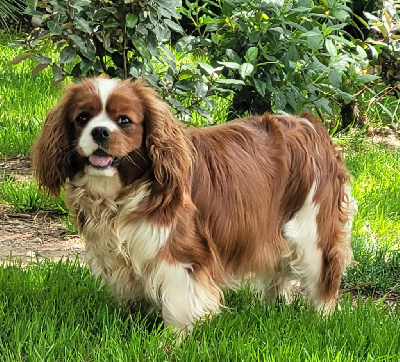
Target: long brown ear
x=51 y=154
x=167 y=147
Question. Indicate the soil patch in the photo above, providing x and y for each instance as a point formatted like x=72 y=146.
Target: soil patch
x=386 y=136
x=18 y=168
x=32 y=238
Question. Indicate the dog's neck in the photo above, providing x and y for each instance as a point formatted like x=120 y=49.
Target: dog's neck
x=97 y=186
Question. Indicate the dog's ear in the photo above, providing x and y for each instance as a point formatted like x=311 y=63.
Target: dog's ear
x=51 y=154
x=167 y=147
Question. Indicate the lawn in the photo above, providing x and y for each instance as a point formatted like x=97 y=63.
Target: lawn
x=57 y=311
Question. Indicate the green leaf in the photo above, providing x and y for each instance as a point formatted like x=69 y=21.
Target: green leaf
x=186 y=44
x=201 y=89
x=78 y=42
x=330 y=47
x=79 y=4
x=227 y=9
x=315 y=42
x=43 y=60
x=335 y=78
x=54 y=28
x=347 y=97
x=352 y=71
x=230 y=65
x=324 y=104
x=291 y=57
x=260 y=86
x=103 y=13
x=291 y=99
x=67 y=55
x=141 y=47
x=254 y=37
x=207 y=67
x=280 y=100
x=366 y=78
x=57 y=72
x=341 y=40
x=174 y=26
x=85 y=67
x=233 y=56
x=340 y=15
x=83 y=25
x=33 y=12
x=314 y=38
x=131 y=20
x=246 y=69
x=251 y=54
x=231 y=81
x=292 y=54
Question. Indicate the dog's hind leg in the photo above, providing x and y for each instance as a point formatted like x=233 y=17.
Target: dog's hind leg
x=324 y=249
x=336 y=248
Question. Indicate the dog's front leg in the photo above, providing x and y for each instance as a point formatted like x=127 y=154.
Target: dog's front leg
x=186 y=297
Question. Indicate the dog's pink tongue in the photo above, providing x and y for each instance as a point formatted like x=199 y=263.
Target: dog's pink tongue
x=100 y=161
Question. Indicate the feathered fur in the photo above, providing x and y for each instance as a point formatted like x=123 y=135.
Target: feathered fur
x=181 y=212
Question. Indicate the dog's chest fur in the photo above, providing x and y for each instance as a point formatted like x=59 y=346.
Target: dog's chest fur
x=121 y=247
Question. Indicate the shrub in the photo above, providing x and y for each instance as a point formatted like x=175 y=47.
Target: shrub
x=123 y=39
x=287 y=55
x=273 y=55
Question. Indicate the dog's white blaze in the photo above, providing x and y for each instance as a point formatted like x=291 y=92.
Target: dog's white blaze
x=86 y=142
x=184 y=300
x=105 y=87
x=302 y=237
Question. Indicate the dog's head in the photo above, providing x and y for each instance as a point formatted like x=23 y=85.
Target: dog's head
x=105 y=127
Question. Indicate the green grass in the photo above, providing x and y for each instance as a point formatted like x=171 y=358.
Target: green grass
x=376 y=186
x=24 y=100
x=59 y=312
x=27 y=197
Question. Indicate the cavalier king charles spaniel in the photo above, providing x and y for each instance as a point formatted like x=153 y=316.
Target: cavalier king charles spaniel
x=171 y=214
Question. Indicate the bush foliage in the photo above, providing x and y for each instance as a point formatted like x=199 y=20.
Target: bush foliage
x=271 y=55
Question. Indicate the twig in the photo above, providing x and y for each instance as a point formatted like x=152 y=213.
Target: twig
x=387 y=92
x=357 y=287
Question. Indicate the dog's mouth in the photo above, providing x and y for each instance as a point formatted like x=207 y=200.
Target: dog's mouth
x=101 y=160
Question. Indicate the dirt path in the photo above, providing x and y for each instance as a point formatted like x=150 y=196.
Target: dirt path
x=32 y=238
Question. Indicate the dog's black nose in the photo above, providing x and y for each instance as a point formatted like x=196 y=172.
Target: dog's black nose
x=101 y=135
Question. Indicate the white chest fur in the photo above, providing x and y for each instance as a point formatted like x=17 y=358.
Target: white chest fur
x=120 y=246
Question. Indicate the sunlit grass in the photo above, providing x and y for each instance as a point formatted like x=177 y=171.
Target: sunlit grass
x=376 y=186
x=25 y=196
x=24 y=100
x=59 y=312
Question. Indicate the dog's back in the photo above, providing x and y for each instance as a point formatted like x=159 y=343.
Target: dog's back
x=268 y=186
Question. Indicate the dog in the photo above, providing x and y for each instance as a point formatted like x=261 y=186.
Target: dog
x=172 y=214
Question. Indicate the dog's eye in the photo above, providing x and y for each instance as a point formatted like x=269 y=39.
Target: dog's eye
x=82 y=119
x=123 y=121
